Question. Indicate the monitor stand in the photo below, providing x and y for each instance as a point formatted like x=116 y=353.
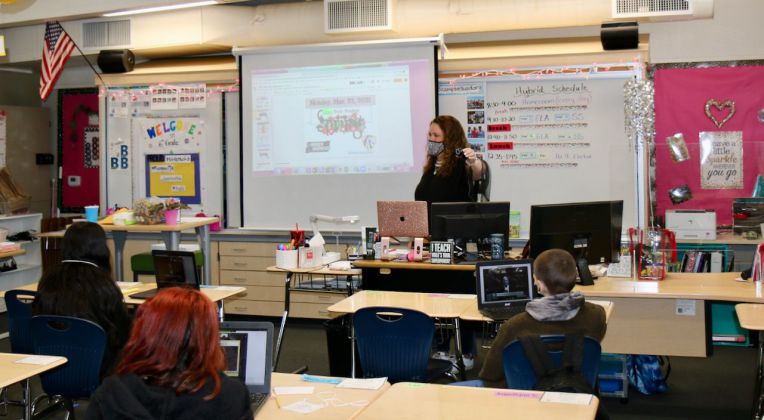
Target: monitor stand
x=583 y=272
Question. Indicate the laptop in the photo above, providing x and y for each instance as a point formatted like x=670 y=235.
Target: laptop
x=403 y=218
x=504 y=287
x=248 y=348
x=172 y=269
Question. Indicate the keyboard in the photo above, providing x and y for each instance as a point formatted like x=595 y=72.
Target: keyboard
x=257 y=401
x=501 y=314
x=146 y=294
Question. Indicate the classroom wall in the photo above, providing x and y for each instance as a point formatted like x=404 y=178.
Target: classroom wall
x=15 y=89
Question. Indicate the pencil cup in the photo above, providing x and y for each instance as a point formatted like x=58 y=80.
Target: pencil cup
x=286 y=259
x=91 y=213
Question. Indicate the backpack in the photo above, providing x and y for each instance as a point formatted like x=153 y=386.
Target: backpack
x=566 y=378
x=646 y=373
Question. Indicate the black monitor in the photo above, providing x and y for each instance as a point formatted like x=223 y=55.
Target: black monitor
x=469 y=221
x=591 y=232
x=175 y=268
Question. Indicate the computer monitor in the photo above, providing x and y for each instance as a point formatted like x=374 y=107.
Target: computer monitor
x=175 y=268
x=469 y=221
x=591 y=232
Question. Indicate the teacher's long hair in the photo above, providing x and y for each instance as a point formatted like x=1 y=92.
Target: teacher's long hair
x=453 y=138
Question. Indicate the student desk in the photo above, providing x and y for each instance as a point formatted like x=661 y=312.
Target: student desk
x=341 y=403
x=215 y=293
x=171 y=236
x=751 y=317
x=288 y=274
x=12 y=372
x=435 y=305
x=415 y=401
x=668 y=317
x=473 y=314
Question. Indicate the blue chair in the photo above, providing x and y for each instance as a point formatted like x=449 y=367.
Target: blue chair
x=19 y=304
x=396 y=343
x=518 y=370
x=83 y=343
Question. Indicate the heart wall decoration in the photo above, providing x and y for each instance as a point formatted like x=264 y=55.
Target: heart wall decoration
x=728 y=105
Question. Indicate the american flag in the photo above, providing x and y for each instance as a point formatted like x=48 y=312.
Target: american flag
x=56 y=50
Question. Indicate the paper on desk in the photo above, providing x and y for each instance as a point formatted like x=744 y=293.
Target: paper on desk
x=455 y=296
x=38 y=360
x=566 y=398
x=226 y=288
x=371 y=383
x=293 y=390
x=128 y=284
x=302 y=407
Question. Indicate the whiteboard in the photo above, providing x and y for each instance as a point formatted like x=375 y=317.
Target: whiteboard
x=548 y=140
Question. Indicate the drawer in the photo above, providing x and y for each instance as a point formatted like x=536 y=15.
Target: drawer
x=253 y=307
x=251 y=278
x=270 y=293
x=252 y=249
x=228 y=262
x=325 y=298
x=309 y=310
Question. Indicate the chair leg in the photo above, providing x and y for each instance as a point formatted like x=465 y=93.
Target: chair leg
x=69 y=404
x=4 y=401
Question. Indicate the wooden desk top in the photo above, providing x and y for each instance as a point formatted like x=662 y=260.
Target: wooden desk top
x=13 y=253
x=437 y=305
x=321 y=270
x=51 y=234
x=473 y=314
x=342 y=403
x=702 y=286
x=215 y=293
x=723 y=238
x=11 y=372
x=185 y=223
x=751 y=316
x=417 y=401
x=412 y=265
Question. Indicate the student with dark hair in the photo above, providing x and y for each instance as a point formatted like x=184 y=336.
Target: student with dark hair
x=81 y=286
x=171 y=367
x=560 y=311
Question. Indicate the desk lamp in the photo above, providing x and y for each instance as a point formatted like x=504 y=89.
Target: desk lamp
x=318 y=241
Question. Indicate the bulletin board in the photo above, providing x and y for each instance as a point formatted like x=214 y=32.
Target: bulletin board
x=165 y=141
x=709 y=135
x=548 y=136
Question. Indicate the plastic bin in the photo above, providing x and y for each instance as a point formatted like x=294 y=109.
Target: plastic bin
x=613 y=380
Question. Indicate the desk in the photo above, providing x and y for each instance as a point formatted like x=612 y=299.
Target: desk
x=171 y=236
x=649 y=321
x=215 y=293
x=11 y=373
x=417 y=276
x=343 y=396
x=751 y=317
x=435 y=305
x=471 y=313
x=417 y=401
x=289 y=273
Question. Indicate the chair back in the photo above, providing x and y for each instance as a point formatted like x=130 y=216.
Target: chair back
x=19 y=305
x=396 y=346
x=81 y=341
x=519 y=372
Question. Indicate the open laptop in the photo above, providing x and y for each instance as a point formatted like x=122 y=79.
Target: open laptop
x=172 y=269
x=504 y=287
x=402 y=218
x=248 y=348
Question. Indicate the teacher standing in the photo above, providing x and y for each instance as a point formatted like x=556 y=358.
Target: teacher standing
x=452 y=172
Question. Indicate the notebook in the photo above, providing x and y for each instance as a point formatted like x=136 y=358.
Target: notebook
x=248 y=348
x=172 y=269
x=504 y=287
x=403 y=218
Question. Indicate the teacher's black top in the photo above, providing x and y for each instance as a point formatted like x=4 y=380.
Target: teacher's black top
x=439 y=189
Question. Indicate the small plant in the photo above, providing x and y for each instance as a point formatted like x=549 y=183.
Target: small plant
x=173 y=203
x=148 y=212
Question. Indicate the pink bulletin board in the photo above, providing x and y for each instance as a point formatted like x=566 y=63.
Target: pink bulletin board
x=78 y=145
x=681 y=96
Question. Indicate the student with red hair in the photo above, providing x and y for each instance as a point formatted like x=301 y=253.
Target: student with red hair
x=171 y=367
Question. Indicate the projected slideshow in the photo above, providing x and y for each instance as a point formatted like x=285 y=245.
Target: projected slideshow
x=345 y=119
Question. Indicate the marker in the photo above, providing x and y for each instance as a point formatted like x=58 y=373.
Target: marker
x=291 y=244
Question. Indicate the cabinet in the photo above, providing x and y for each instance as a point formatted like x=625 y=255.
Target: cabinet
x=245 y=264
x=29 y=264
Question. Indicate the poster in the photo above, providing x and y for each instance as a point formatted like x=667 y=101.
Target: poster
x=163 y=97
x=118 y=155
x=721 y=160
x=193 y=96
x=173 y=175
x=91 y=149
x=171 y=135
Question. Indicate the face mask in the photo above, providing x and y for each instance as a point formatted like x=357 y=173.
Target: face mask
x=434 y=148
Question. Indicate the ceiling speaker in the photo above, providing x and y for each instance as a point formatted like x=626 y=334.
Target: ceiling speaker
x=116 y=61
x=619 y=35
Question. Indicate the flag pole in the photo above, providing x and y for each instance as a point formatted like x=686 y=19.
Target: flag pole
x=86 y=58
